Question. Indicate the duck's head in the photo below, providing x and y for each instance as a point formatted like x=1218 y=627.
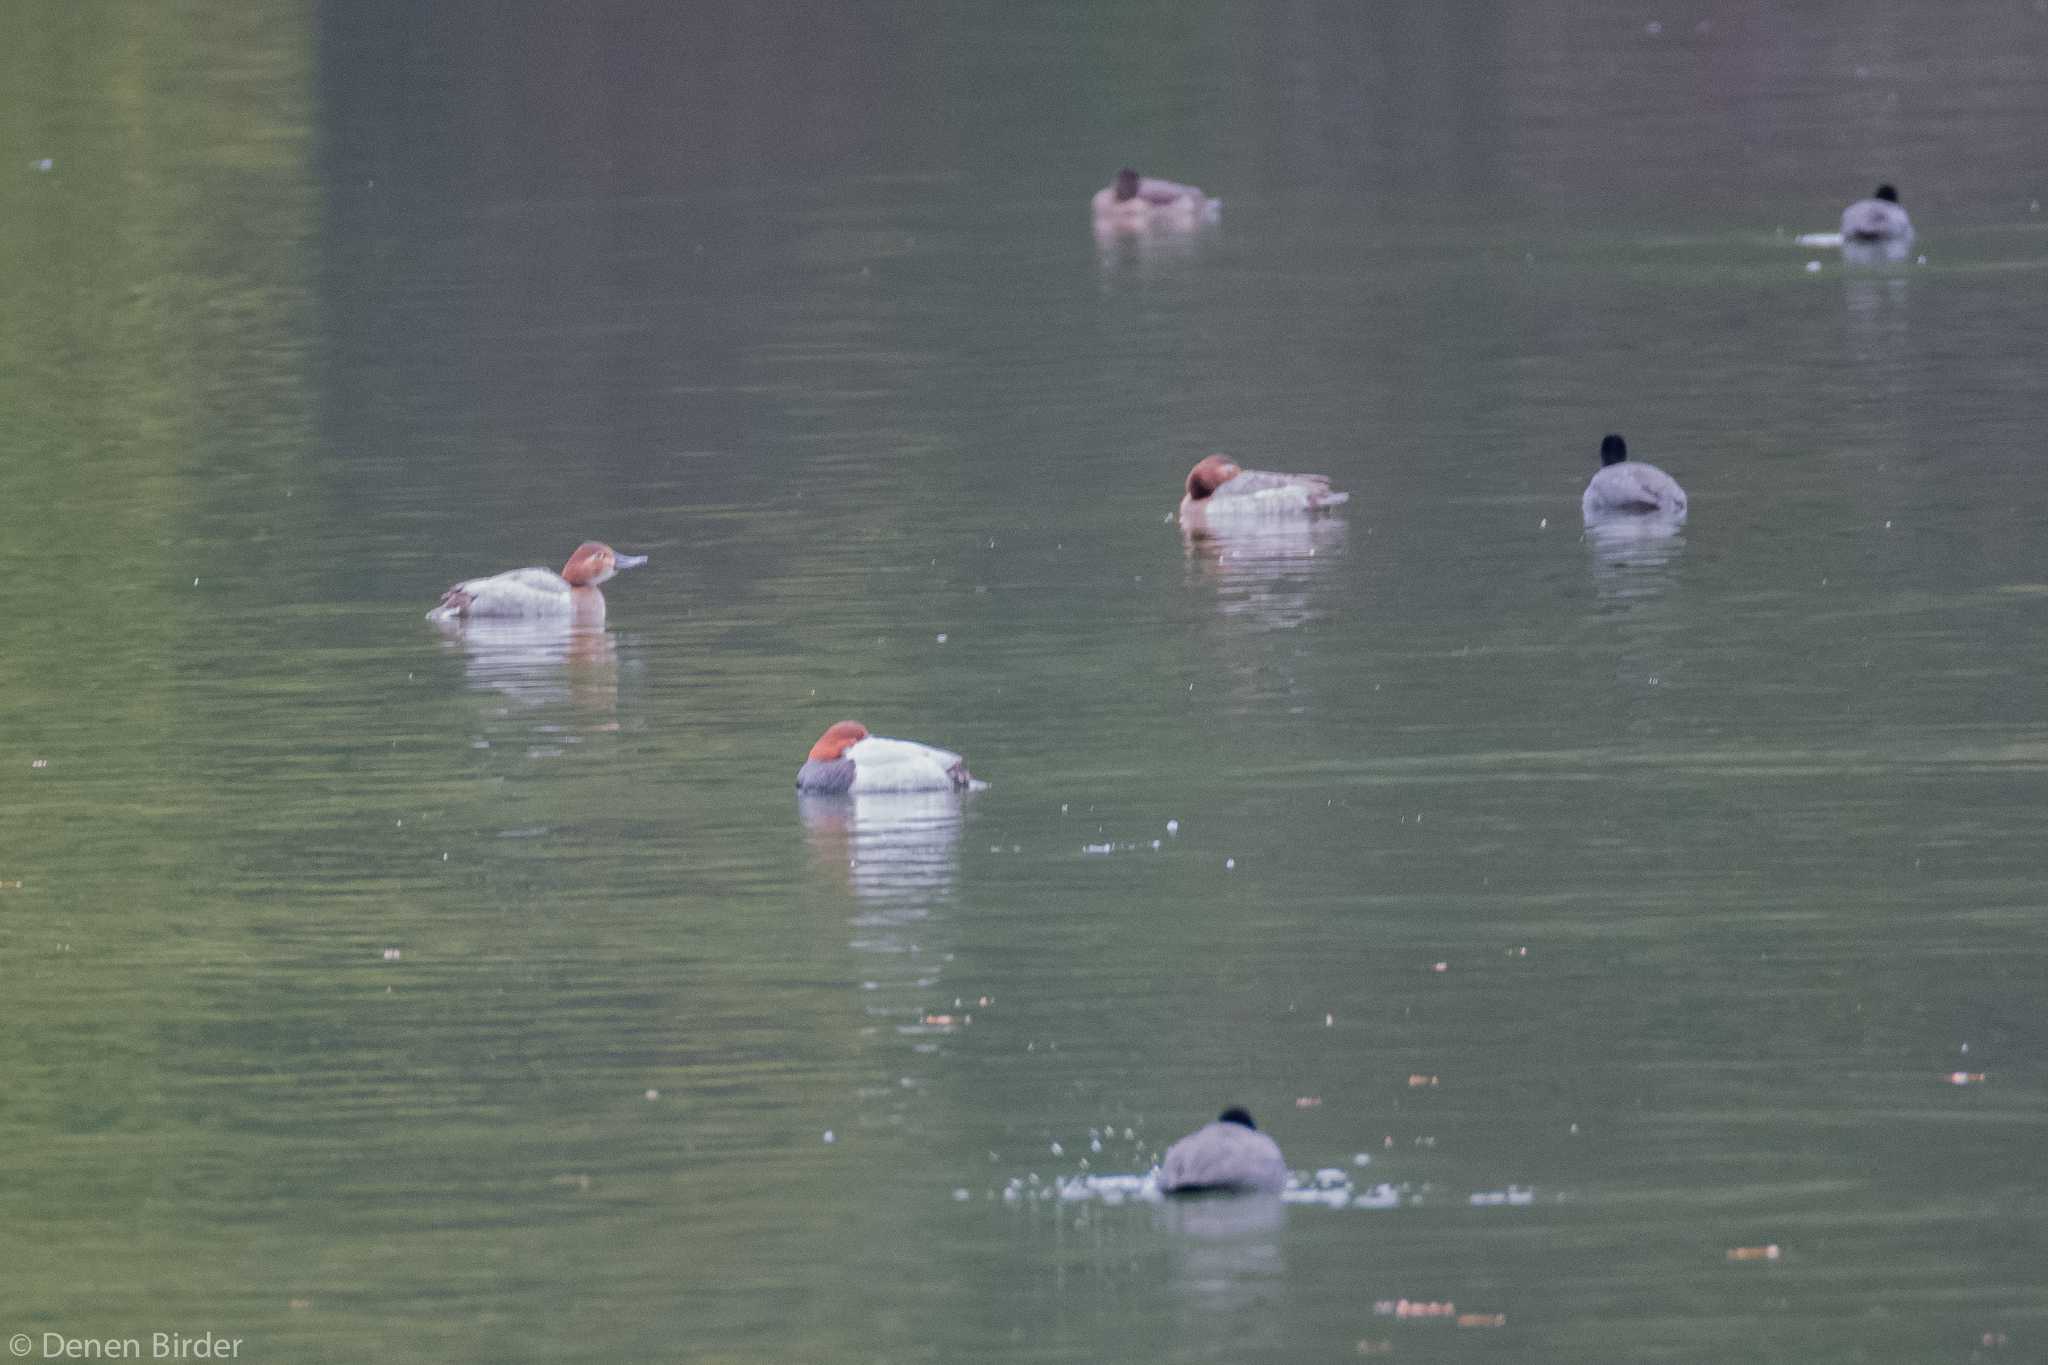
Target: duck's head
x=595 y=562
x=1886 y=193
x=1613 y=450
x=1239 y=1116
x=1211 y=474
x=1126 y=184
x=834 y=743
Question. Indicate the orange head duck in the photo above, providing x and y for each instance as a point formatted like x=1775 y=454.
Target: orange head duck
x=1217 y=487
x=847 y=759
x=537 y=592
x=596 y=562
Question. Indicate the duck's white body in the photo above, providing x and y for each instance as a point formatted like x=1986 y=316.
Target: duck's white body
x=1223 y=1156
x=1260 y=493
x=537 y=593
x=849 y=760
x=1876 y=221
x=1157 y=203
x=881 y=764
x=1631 y=488
x=529 y=593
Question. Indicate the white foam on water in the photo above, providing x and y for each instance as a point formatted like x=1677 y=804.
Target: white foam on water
x=1329 y=1187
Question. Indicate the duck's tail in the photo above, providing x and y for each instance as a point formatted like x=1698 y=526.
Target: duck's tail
x=454 y=606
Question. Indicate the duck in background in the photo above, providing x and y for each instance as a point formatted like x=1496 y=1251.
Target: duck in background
x=1134 y=202
x=539 y=593
x=847 y=758
x=1630 y=488
x=1230 y=1154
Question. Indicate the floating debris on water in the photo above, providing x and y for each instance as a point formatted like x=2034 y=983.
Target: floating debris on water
x=1309 y=1102
x=1965 y=1078
x=392 y=954
x=1514 y=1196
x=1762 y=1253
x=1422 y=1082
x=654 y=1094
x=1482 y=1319
x=829 y=1138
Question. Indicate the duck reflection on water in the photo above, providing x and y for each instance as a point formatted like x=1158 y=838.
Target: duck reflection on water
x=544 y=662
x=1270 y=571
x=890 y=848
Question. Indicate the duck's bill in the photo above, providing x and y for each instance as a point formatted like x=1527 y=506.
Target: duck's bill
x=629 y=561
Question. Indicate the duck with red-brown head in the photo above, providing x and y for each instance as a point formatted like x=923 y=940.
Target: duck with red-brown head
x=847 y=759
x=1218 y=489
x=538 y=593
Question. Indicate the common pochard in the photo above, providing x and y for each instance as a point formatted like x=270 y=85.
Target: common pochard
x=847 y=758
x=538 y=592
